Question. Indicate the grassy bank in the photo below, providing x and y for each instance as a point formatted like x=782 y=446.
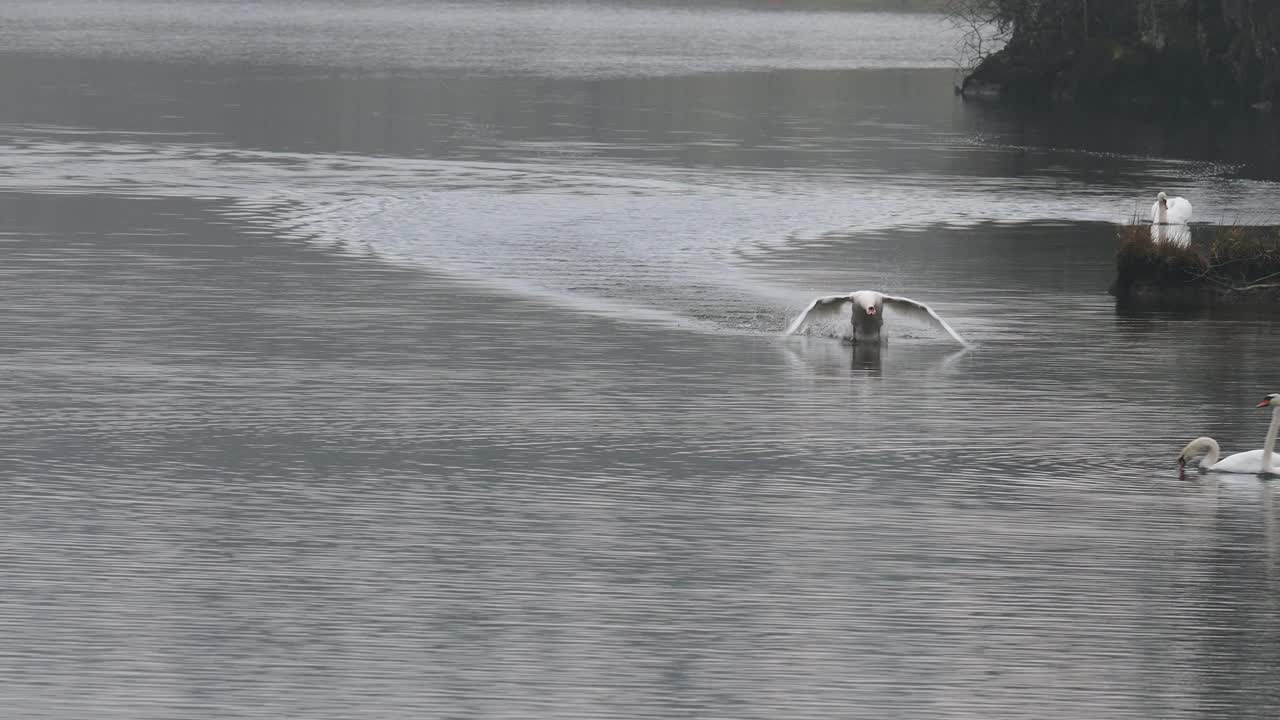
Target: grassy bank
x=1233 y=264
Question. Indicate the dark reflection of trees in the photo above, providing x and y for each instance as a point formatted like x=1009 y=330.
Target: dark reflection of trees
x=1248 y=138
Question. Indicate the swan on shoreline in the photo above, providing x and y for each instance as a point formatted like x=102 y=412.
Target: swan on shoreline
x=1251 y=462
x=868 y=314
x=1179 y=235
x=1170 y=211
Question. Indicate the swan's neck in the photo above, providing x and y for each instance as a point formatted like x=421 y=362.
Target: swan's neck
x=1210 y=457
x=1269 y=446
x=1162 y=214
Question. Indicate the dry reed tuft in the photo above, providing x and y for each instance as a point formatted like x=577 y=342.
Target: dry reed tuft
x=1245 y=258
x=1140 y=259
x=1239 y=261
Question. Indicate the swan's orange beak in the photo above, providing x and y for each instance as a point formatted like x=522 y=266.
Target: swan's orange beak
x=871 y=310
x=1264 y=403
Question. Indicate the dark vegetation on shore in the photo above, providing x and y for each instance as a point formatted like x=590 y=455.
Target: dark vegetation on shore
x=832 y=5
x=1187 y=52
x=1238 y=265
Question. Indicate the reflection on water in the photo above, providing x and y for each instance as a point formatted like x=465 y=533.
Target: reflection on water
x=866 y=356
x=338 y=393
x=814 y=360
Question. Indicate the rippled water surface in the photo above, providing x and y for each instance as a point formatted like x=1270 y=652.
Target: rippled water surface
x=397 y=359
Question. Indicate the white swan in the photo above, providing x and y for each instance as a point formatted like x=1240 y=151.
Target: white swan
x=1179 y=235
x=868 y=313
x=1251 y=462
x=1170 y=212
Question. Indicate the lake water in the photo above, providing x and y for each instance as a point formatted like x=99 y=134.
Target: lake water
x=414 y=359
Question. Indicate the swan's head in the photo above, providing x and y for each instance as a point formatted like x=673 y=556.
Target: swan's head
x=870 y=302
x=1194 y=448
x=1162 y=199
x=1271 y=400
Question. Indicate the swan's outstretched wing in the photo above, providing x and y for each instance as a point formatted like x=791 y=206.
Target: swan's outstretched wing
x=824 y=307
x=921 y=312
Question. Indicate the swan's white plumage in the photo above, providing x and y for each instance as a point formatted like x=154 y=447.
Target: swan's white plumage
x=921 y=313
x=1178 y=211
x=827 y=307
x=1248 y=462
x=1179 y=235
x=1252 y=462
x=830 y=307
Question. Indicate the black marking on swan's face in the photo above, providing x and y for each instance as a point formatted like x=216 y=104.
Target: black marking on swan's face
x=1270 y=400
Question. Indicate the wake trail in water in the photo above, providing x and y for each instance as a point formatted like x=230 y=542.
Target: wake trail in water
x=641 y=242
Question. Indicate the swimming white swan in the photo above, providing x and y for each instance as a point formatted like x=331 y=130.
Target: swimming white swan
x=1251 y=462
x=868 y=313
x=1165 y=211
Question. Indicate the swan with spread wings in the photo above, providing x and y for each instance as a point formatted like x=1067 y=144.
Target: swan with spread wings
x=868 y=314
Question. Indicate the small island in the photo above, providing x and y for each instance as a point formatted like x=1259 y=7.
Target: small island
x=1184 y=52
x=1232 y=265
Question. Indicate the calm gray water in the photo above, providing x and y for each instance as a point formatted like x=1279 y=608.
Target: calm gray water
x=416 y=359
